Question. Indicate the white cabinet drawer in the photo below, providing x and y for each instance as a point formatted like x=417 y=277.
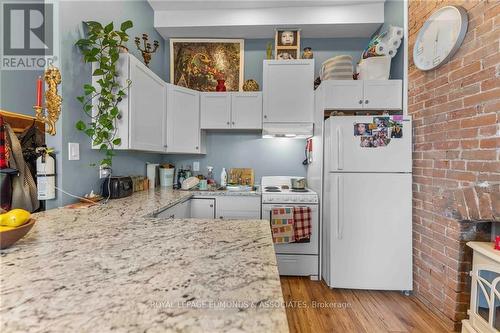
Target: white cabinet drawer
x=299 y=265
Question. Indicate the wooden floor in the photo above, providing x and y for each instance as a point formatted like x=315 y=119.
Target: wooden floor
x=313 y=307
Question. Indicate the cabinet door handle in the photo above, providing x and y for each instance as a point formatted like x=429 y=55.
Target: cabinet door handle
x=360 y=101
x=265 y=117
x=196 y=147
x=211 y=206
x=366 y=101
x=227 y=123
x=221 y=217
x=165 y=146
x=232 y=123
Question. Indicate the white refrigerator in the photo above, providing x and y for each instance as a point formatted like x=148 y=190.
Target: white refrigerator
x=367 y=203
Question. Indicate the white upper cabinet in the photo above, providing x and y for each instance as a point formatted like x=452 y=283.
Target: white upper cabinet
x=183 y=133
x=147 y=104
x=215 y=110
x=246 y=110
x=344 y=94
x=156 y=116
x=231 y=110
x=142 y=111
x=383 y=94
x=288 y=90
x=363 y=94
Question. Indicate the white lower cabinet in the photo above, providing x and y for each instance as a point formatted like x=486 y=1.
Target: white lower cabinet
x=238 y=207
x=180 y=211
x=203 y=208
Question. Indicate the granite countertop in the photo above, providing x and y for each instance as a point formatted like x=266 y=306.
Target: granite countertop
x=111 y=268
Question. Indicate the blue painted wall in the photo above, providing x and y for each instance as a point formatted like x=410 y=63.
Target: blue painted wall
x=268 y=157
x=79 y=177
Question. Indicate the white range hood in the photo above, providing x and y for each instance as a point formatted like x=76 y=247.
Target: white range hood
x=287 y=130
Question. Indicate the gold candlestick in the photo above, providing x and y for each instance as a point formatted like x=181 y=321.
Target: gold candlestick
x=147 y=50
x=53 y=100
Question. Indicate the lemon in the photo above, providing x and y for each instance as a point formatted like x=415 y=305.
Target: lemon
x=2 y=228
x=14 y=218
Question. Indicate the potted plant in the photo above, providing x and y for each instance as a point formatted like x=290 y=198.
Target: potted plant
x=101 y=99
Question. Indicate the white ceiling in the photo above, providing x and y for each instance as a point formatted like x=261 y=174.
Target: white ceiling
x=244 y=4
x=259 y=19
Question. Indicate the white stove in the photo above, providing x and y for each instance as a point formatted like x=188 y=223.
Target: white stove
x=278 y=189
x=302 y=258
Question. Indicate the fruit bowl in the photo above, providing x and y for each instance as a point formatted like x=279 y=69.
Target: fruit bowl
x=9 y=237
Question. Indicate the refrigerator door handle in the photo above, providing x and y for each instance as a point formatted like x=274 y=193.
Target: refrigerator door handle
x=340 y=149
x=340 y=208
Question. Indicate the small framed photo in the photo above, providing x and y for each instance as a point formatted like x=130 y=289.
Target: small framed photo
x=287 y=44
x=287 y=37
x=286 y=54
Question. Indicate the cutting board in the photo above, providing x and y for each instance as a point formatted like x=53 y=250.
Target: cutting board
x=246 y=175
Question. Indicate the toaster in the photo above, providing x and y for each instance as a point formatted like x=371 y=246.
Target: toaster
x=117 y=187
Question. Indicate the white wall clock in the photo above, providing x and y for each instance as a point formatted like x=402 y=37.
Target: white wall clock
x=440 y=37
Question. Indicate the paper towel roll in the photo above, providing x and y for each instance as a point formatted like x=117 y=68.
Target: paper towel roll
x=394 y=42
x=395 y=31
x=381 y=49
x=391 y=52
x=151 y=171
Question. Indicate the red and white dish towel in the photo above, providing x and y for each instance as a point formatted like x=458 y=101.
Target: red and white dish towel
x=302 y=223
x=291 y=224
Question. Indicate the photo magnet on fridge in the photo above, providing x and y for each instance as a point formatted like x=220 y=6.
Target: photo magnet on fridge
x=396 y=130
x=362 y=129
x=381 y=122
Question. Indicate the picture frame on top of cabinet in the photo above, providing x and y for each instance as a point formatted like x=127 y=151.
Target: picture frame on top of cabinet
x=287 y=44
x=198 y=64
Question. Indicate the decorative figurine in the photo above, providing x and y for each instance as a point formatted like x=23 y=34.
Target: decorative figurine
x=147 y=51
x=53 y=100
x=308 y=53
x=269 y=51
x=250 y=85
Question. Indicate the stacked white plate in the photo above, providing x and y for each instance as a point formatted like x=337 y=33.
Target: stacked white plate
x=337 y=68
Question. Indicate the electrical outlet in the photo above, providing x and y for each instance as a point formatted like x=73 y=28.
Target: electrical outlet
x=196 y=166
x=104 y=171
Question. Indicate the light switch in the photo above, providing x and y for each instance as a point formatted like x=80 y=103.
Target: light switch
x=73 y=151
x=196 y=166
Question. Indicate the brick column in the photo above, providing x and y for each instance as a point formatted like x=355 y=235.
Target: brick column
x=456 y=167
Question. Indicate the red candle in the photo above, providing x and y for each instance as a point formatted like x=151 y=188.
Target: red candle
x=39 y=83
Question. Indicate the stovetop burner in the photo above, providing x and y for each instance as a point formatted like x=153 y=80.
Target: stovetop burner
x=271 y=188
x=301 y=190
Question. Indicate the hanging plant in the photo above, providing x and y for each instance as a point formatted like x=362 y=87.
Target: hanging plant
x=101 y=100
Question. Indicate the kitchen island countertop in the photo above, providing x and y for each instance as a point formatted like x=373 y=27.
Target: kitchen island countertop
x=110 y=268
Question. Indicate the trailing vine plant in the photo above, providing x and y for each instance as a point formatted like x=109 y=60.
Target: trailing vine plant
x=101 y=99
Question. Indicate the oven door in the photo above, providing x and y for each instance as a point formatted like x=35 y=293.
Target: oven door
x=312 y=246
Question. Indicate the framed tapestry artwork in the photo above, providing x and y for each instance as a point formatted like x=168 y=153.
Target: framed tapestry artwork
x=199 y=63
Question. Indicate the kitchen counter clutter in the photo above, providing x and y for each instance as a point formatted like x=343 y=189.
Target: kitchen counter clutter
x=111 y=267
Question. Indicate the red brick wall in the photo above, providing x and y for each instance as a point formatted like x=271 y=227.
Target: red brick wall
x=456 y=167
